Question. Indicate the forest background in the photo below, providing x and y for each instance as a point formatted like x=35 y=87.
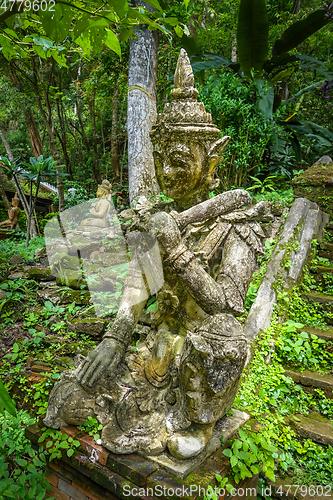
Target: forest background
x=70 y=101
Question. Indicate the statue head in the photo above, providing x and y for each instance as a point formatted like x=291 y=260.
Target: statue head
x=15 y=201
x=187 y=145
x=104 y=189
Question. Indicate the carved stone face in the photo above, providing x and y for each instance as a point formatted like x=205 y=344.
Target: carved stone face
x=209 y=383
x=180 y=167
x=100 y=192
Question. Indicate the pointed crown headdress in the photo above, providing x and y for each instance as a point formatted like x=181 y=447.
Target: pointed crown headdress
x=184 y=116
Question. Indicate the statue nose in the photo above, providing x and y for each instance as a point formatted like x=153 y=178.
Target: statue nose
x=167 y=170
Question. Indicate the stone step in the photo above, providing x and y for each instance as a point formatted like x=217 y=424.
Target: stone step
x=309 y=381
x=326 y=335
x=326 y=302
x=323 y=276
x=315 y=427
x=326 y=250
x=285 y=487
x=322 y=269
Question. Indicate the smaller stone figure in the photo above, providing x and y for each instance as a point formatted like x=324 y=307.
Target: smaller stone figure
x=13 y=215
x=99 y=210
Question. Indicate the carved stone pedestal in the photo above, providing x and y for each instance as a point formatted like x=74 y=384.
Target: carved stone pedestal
x=96 y=474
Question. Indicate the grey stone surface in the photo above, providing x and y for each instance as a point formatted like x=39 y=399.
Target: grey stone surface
x=15 y=260
x=314 y=427
x=304 y=222
x=226 y=427
x=90 y=326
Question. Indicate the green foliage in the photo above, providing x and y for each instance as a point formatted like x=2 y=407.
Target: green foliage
x=301 y=349
x=22 y=469
x=56 y=442
x=92 y=427
x=16 y=246
x=261 y=186
x=234 y=109
x=6 y=403
x=250 y=451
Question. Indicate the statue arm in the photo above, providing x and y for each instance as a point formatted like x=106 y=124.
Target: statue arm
x=106 y=357
x=102 y=211
x=210 y=295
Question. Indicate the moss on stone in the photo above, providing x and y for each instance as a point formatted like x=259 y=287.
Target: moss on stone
x=317 y=175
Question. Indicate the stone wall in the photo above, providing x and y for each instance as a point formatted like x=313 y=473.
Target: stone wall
x=304 y=223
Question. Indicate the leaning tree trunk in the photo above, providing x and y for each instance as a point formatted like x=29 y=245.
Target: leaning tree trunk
x=36 y=141
x=141 y=111
x=296 y=7
x=49 y=125
x=114 y=132
x=3 y=193
x=20 y=192
x=96 y=167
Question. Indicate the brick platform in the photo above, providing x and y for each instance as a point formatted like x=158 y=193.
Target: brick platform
x=94 y=473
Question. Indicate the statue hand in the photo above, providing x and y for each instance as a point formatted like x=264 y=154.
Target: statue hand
x=164 y=227
x=105 y=358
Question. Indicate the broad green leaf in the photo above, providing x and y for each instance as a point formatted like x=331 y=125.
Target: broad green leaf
x=43 y=42
x=242 y=434
x=186 y=2
x=266 y=97
x=57 y=22
x=327 y=134
x=282 y=74
x=268 y=447
x=252 y=35
x=173 y=21
x=155 y=4
x=111 y=41
x=6 y=402
x=233 y=461
x=83 y=41
x=60 y=59
x=120 y=7
x=87 y=22
x=227 y=452
x=179 y=31
x=320 y=140
x=214 y=62
x=300 y=31
x=6 y=48
x=298 y=155
x=302 y=91
x=270 y=474
x=21 y=462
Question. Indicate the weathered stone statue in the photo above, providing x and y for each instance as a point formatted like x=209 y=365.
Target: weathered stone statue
x=169 y=392
x=13 y=215
x=98 y=210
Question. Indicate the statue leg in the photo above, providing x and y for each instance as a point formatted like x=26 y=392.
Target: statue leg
x=211 y=364
x=69 y=404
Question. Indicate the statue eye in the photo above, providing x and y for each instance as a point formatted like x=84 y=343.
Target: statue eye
x=179 y=161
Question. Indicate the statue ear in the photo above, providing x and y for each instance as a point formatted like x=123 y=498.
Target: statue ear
x=219 y=146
